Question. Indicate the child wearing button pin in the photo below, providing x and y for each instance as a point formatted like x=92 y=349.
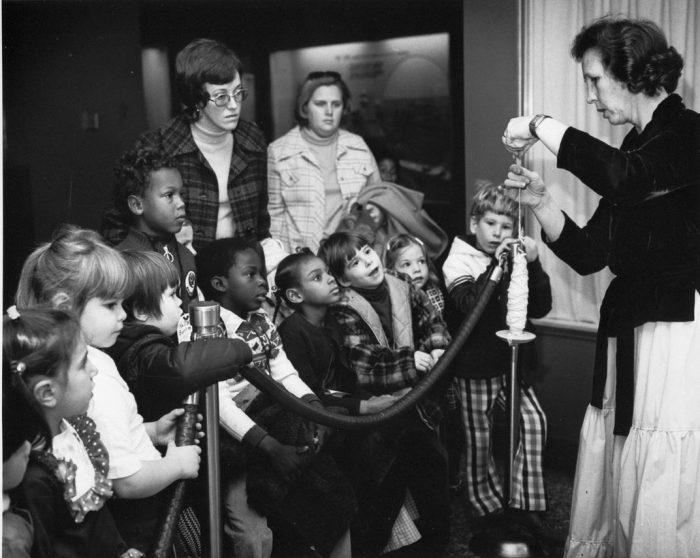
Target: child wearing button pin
x=148 y=193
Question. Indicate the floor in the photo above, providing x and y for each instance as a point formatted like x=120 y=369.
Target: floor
x=559 y=476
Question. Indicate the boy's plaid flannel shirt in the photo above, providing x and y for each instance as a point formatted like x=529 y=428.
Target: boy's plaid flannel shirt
x=382 y=369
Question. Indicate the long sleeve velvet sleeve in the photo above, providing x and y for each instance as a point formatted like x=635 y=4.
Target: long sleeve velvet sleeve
x=584 y=249
x=666 y=161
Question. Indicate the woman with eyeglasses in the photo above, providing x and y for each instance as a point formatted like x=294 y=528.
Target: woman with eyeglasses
x=316 y=170
x=221 y=158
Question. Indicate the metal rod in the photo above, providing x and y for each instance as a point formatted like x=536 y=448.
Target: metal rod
x=514 y=339
x=513 y=405
x=204 y=316
x=213 y=470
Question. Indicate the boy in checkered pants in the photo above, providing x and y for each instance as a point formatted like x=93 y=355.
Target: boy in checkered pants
x=484 y=361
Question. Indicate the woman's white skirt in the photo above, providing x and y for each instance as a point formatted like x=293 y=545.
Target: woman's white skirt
x=639 y=496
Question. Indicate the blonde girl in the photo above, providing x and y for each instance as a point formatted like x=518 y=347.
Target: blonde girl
x=77 y=271
x=406 y=254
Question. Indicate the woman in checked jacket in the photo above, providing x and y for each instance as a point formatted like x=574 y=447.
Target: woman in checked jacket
x=316 y=170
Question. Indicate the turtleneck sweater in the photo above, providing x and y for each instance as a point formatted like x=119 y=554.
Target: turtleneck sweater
x=325 y=149
x=380 y=299
x=217 y=148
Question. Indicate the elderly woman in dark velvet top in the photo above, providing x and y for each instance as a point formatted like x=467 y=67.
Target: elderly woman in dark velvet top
x=637 y=488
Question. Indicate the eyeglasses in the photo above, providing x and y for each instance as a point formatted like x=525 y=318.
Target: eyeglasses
x=319 y=75
x=223 y=99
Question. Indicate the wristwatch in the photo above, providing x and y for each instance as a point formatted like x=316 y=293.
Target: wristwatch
x=536 y=121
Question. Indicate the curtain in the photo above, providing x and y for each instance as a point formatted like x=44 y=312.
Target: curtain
x=552 y=84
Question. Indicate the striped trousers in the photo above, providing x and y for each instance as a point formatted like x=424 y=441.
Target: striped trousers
x=479 y=397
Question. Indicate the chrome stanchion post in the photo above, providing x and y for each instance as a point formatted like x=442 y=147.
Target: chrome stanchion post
x=204 y=317
x=510 y=546
x=503 y=540
x=513 y=403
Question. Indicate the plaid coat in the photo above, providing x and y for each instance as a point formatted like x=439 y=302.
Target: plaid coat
x=381 y=365
x=297 y=194
x=247 y=186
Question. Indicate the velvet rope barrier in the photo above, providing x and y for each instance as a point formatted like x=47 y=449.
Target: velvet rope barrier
x=319 y=415
x=316 y=414
x=185 y=435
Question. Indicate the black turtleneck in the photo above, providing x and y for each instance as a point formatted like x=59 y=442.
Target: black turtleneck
x=379 y=299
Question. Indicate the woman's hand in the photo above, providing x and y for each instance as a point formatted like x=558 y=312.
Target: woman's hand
x=517 y=138
x=531 y=187
x=532 y=193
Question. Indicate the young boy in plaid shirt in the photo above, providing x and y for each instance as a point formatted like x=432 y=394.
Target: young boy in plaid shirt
x=484 y=361
x=393 y=336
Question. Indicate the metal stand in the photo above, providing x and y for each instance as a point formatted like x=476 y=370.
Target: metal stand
x=204 y=316
x=503 y=542
x=513 y=402
x=213 y=471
